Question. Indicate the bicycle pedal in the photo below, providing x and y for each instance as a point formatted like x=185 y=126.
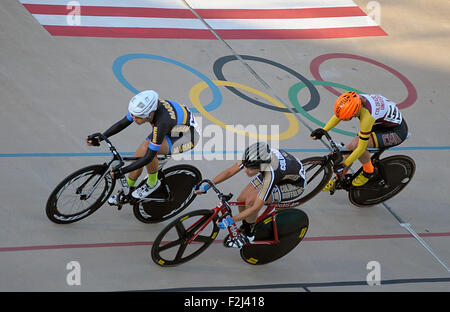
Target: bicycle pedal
x=119 y=207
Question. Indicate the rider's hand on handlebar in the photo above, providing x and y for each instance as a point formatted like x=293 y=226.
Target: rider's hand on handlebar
x=92 y=140
x=116 y=173
x=202 y=189
x=317 y=134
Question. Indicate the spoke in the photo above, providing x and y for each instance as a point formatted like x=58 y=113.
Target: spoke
x=180 y=229
x=315 y=174
x=191 y=230
x=202 y=239
x=170 y=245
x=312 y=167
x=180 y=252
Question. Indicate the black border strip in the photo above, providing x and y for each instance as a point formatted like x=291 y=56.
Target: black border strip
x=305 y=286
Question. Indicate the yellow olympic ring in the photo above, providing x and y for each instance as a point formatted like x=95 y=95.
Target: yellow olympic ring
x=194 y=95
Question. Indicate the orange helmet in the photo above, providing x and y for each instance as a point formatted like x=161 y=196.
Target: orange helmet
x=347 y=105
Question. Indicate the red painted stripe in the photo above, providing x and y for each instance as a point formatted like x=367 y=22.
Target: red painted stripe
x=110 y=11
x=204 y=13
x=132 y=244
x=180 y=33
x=324 y=33
x=117 y=32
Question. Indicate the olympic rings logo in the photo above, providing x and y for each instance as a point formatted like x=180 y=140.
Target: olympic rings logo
x=304 y=110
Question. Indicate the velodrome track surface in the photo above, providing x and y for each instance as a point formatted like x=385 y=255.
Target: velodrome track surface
x=55 y=90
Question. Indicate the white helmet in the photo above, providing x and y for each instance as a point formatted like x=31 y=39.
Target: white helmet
x=143 y=103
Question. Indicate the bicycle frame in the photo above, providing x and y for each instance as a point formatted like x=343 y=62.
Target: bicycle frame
x=335 y=157
x=118 y=161
x=224 y=207
x=112 y=164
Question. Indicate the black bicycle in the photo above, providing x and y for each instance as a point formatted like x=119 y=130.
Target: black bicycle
x=83 y=192
x=392 y=174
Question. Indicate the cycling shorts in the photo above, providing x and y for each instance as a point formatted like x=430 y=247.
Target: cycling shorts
x=388 y=137
x=181 y=138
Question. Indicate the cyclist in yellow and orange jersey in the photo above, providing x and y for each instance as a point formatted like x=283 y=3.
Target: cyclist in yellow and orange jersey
x=381 y=125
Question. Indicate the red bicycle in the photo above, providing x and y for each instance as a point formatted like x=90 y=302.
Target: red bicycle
x=278 y=230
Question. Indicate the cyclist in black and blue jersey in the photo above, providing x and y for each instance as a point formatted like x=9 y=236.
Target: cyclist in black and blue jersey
x=174 y=131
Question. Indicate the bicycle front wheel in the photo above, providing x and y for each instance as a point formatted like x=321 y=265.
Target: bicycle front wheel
x=79 y=195
x=398 y=171
x=318 y=172
x=185 y=238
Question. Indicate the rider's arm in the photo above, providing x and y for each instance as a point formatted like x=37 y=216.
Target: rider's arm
x=155 y=140
x=228 y=173
x=119 y=126
x=141 y=162
x=367 y=122
x=331 y=123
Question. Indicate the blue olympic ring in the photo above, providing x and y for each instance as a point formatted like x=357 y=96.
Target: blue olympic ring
x=121 y=60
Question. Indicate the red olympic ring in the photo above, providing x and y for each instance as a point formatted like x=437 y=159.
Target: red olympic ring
x=314 y=68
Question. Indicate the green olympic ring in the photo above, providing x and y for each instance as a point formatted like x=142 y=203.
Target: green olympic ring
x=295 y=89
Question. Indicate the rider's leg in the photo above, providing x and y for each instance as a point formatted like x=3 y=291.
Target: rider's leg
x=152 y=167
x=248 y=196
x=152 y=182
x=364 y=159
x=367 y=165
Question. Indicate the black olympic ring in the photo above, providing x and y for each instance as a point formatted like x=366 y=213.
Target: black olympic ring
x=312 y=104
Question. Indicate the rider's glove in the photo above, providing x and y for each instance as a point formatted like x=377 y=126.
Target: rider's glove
x=339 y=168
x=94 y=139
x=318 y=133
x=226 y=222
x=203 y=188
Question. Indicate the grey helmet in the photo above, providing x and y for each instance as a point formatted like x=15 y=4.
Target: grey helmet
x=256 y=154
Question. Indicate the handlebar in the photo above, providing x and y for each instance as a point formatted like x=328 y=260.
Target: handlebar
x=111 y=147
x=221 y=196
x=335 y=150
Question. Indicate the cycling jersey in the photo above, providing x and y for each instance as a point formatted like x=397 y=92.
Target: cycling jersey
x=171 y=121
x=285 y=174
x=377 y=114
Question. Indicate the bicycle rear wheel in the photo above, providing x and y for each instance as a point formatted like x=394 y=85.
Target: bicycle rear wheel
x=318 y=172
x=181 y=180
x=172 y=246
x=292 y=225
x=398 y=171
x=74 y=198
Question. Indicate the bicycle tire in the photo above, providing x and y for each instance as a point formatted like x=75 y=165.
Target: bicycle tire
x=181 y=180
x=318 y=172
x=161 y=254
x=399 y=171
x=54 y=209
x=292 y=225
